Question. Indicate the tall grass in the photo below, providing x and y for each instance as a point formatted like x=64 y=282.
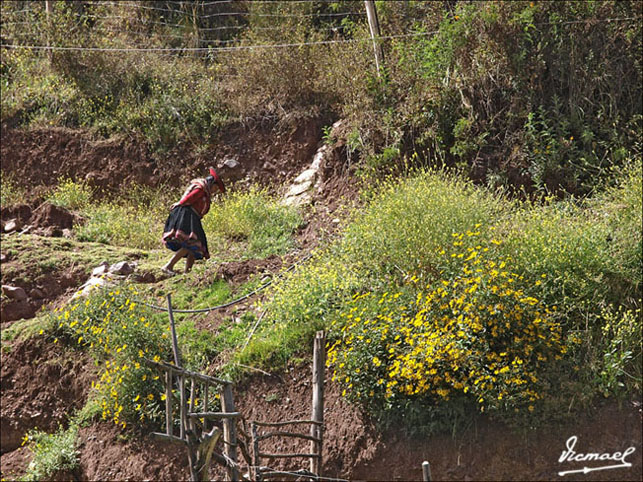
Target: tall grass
x=255 y=219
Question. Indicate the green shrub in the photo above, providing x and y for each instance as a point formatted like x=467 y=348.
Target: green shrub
x=254 y=217
x=619 y=355
x=70 y=194
x=121 y=224
x=397 y=234
x=119 y=333
x=469 y=335
x=10 y=191
x=52 y=453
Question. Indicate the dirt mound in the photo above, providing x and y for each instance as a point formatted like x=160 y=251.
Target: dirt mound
x=238 y=272
x=41 y=384
x=124 y=457
x=54 y=217
x=47 y=219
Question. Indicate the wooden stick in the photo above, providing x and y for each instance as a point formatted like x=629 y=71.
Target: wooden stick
x=191 y=406
x=291 y=422
x=256 y=466
x=168 y=438
x=187 y=373
x=288 y=434
x=285 y=456
x=205 y=451
x=175 y=342
x=214 y=415
x=316 y=431
x=229 y=432
x=168 y=404
x=182 y=411
x=206 y=389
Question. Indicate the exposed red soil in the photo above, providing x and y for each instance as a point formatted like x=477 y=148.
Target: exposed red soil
x=41 y=384
x=353 y=447
x=46 y=290
x=39 y=157
x=106 y=454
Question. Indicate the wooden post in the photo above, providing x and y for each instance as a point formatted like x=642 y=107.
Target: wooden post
x=229 y=432
x=183 y=409
x=48 y=14
x=374 y=27
x=175 y=342
x=192 y=397
x=168 y=404
x=319 y=365
x=206 y=389
x=256 y=460
x=426 y=471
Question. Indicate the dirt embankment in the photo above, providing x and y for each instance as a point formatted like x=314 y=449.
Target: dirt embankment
x=353 y=447
x=40 y=157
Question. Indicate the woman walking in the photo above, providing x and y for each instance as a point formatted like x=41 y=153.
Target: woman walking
x=183 y=232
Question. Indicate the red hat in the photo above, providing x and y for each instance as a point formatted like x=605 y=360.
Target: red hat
x=217 y=179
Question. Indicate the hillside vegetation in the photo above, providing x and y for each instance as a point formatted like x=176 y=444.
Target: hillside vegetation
x=540 y=95
x=494 y=264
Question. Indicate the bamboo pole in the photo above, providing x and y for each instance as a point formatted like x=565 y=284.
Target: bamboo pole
x=316 y=430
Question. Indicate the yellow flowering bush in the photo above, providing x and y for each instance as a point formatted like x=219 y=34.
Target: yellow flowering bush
x=120 y=333
x=470 y=330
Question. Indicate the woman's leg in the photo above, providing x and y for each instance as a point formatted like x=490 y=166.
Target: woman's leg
x=189 y=262
x=177 y=256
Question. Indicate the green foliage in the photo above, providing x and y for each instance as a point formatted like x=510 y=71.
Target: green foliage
x=398 y=233
x=413 y=250
x=134 y=220
x=11 y=193
x=119 y=333
x=52 y=453
x=254 y=217
x=70 y=194
x=120 y=224
x=470 y=334
x=619 y=370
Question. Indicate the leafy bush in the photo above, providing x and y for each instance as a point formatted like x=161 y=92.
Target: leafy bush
x=255 y=218
x=10 y=191
x=122 y=225
x=52 y=453
x=471 y=334
x=70 y=194
x=398 y=233
x=121 y=334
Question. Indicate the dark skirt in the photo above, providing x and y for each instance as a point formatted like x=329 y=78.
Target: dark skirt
x=183 y=229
